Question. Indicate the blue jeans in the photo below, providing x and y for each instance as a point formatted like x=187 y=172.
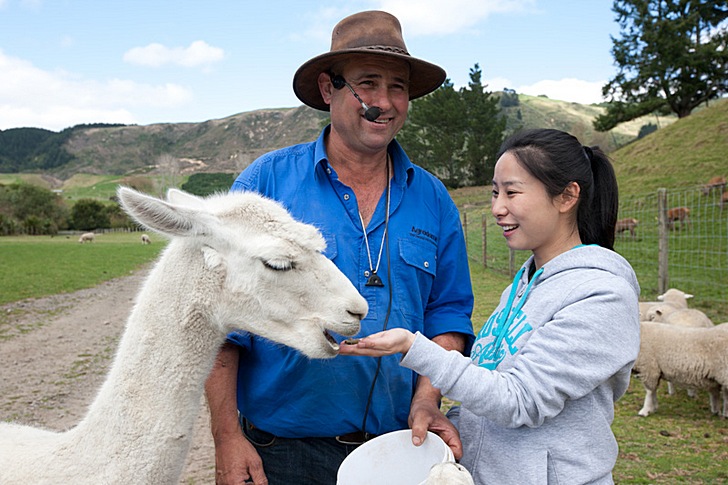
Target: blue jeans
x=303 y=461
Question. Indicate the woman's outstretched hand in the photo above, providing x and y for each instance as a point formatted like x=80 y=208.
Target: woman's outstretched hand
x=389 y=342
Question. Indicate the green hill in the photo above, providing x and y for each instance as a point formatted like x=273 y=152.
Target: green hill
x=577 y=119
x=687 y=153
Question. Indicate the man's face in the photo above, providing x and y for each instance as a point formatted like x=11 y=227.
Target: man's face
x=379 y=81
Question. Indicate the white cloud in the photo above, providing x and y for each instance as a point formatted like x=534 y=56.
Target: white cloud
x=567 y=89
x=198 y=53
x=432 y=17
x=55 y=100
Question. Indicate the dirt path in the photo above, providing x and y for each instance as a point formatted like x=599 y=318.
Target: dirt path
x=54 y=355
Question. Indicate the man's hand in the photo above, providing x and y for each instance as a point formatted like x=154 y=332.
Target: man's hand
x=237 y=462
x=425 y=415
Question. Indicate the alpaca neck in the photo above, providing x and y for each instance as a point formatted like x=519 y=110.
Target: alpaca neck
x=149 y=402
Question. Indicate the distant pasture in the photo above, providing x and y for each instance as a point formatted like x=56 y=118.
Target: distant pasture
x=36 y=266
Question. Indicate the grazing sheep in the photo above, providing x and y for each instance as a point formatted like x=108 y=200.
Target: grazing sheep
x=628 y=224
x=235 y=262
x=87 y=237
x=145 y=239
x=449 y=473
x=715 y=183
x=696 y=358
x=678 y=214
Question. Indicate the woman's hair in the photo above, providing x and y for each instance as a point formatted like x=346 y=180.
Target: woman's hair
x=557 y=158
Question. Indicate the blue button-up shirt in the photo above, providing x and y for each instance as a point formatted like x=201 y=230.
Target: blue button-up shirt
x=427 y=288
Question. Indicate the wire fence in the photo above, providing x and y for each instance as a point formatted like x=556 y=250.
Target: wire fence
x=672 y=239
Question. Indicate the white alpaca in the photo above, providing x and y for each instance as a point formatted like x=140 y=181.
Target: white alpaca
x=235 y=262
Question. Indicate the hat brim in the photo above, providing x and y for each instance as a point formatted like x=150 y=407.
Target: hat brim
x=425 y=77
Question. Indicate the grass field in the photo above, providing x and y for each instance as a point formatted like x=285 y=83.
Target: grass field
x=35 y=266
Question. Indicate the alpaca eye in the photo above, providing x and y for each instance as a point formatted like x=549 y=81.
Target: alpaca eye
x=279 y=264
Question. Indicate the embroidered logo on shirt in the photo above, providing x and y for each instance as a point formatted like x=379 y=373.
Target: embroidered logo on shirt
x=423 y=234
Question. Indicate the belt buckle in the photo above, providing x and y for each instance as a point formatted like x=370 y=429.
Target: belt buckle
x=355 y=438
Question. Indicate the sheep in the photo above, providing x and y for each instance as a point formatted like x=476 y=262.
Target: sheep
x=673 y=296
x=685 y=317
x=678 y=214
x=87 y=237
x=145 y=239
x=696 y=358
x=628 y=224
x=235 y=262
x=449 y=473
x=715 y=183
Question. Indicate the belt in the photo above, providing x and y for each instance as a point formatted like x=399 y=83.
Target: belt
x=355 y=438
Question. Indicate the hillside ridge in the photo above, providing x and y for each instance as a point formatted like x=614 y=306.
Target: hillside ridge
x=230 y=144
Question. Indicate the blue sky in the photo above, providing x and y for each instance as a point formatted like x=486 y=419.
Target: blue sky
x=65 y=62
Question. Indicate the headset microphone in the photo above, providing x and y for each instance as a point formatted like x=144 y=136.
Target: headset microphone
x=371 y=113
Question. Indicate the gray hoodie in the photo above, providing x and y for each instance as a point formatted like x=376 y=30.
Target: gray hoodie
x=539 y=389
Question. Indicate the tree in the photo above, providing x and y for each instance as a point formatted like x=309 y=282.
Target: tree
x=89 y=214
x=455 y=134
x=485 y=128
x=208 y=183
x=434 y=136
x=31 y=209
x=672 y=57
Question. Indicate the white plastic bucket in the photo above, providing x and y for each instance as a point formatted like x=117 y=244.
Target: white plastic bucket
x=392 y=459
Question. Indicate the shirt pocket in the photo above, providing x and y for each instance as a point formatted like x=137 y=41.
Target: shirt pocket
x=417 y=267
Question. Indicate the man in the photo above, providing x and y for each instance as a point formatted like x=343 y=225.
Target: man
x=392 y=228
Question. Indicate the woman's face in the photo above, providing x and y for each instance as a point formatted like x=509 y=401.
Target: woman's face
x=530 y=218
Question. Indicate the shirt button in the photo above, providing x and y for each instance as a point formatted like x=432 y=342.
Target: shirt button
x=427 y=264
x=346 y=196
x=366 y=273
x=328 y=171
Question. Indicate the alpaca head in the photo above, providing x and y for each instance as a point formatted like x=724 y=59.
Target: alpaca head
x=275 y=280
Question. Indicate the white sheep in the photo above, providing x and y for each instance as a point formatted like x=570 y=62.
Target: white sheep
x=145 y=239
x=235 y=262
x=87 y=237
x=673 y=296
x=696 y=358
x=685 y=317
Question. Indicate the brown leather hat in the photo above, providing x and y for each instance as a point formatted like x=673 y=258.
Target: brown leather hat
x=365 y=33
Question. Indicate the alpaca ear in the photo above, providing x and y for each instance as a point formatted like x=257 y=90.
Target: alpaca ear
x=165 y=217
x=179 y=197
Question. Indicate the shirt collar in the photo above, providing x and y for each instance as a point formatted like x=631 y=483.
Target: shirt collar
x=403 y=167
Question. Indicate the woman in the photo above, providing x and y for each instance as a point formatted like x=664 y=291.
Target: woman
x=539 y=388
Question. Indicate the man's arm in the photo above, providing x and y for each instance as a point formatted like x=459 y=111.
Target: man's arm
x=236 y=460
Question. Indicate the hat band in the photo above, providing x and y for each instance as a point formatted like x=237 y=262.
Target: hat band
x=386 y=48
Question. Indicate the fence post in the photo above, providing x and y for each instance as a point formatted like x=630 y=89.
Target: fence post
x=662 y=249
x=511 y=262
x=484 y=223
